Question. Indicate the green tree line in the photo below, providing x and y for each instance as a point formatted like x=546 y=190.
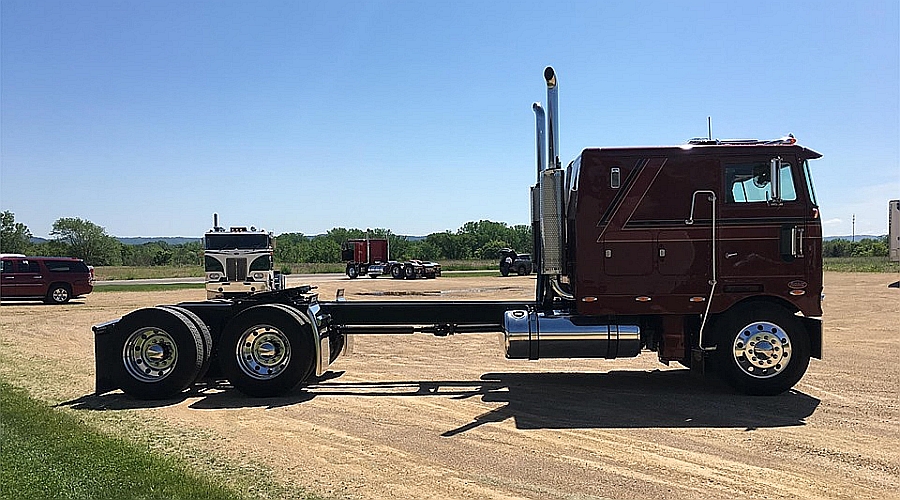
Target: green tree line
x=474 y=240
x=75 y=237
x=866 y=247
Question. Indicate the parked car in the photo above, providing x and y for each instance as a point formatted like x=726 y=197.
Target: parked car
x=54 y=279
x=512 y=262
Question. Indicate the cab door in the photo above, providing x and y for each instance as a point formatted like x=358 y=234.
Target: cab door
x=760 y=247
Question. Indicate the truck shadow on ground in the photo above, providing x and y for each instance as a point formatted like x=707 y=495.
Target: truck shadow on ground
x=611 y=400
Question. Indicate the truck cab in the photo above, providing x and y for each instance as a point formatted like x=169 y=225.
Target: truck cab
x=652 y=227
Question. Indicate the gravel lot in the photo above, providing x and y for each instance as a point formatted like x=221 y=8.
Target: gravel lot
x=449 y=418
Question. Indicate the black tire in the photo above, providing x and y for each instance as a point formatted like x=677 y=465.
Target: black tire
x=409 y=272
x=162 y=353
x=352 y=272
x=762 y=349
x=59 y=293
x=267 y=350
x=504 y=270
x=397 y=272
x=521 y=271
x=205 y=337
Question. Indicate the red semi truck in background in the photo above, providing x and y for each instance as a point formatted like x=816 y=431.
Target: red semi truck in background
x=705 y=252
x=371 y=256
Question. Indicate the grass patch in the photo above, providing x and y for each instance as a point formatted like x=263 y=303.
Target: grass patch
x=107 y=273
x=861 y=265
x=147 y=288
x=311 y=267
x=49 y=454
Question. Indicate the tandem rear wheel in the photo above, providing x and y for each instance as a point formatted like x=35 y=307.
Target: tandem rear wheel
x=268 y=350
x=163 y=352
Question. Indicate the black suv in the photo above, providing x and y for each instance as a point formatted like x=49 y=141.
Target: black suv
x=512 y=262
x=54 y=279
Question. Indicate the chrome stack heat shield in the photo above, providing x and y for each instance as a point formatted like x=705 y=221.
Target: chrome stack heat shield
x=552 y=221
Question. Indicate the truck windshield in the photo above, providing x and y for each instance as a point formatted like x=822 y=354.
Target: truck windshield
x=237 y=241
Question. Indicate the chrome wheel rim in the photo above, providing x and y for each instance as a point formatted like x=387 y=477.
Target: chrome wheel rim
x=762 y=349
x=263 y=352
x=150 y=354
x=60 y=294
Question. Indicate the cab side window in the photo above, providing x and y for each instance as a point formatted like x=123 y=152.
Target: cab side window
x=749 y=182
x=7 y=267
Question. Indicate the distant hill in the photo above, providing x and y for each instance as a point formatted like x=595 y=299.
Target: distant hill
x=171 y=240
x=140 y=240
x=849 y=238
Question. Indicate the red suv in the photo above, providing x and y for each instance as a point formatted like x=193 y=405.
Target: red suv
x=54 y=279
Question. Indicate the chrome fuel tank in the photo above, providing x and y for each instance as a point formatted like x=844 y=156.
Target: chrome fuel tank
x=535 y=335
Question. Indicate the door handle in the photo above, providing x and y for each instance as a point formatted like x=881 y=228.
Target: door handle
x=797 y=241
x=730 y=255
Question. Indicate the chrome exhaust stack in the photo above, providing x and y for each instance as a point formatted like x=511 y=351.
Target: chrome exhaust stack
x=551 y=192
x=535 y=195
x=552 y=118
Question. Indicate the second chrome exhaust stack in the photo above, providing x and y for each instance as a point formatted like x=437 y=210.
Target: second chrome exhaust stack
x=550 y=190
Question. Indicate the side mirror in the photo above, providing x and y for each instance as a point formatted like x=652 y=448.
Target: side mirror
x=775 y=180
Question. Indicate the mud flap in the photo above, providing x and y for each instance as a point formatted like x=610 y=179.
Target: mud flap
x=814 y=331
x=106 y=355
x=698 y=362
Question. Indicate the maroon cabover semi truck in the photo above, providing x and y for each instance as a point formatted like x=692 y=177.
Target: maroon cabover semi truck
x=706 y=253
x=371 y=256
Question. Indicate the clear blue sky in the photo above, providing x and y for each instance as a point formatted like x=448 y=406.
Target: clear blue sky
x=145 y=117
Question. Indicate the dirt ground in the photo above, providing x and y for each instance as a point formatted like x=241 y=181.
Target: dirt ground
x=449 y=418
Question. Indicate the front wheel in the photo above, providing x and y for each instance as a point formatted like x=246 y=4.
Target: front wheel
x=762 y=349
x=352 y=272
